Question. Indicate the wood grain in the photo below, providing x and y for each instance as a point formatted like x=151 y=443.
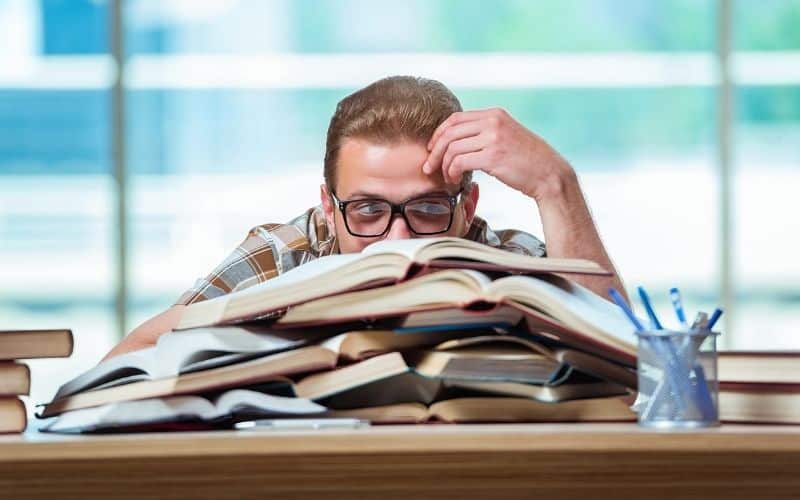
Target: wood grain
x=434 y=461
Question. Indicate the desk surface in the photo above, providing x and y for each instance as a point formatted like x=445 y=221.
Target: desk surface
x=465 y=461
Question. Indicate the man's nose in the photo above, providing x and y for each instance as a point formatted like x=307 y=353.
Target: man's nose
x=398 y=229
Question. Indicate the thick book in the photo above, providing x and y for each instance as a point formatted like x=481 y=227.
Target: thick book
x=488 y=361
x=759 y=403
x=480 y=410
x=770 y=367
x=759 y=386
x=551 y=306
x=182 y=352
x=27 y=344
x=187 y=412
x=578 y=360
x=382 y=263
x=13 y=417
x=390 y=379
x=15 y=378
x=263 y=369
x=229 y=357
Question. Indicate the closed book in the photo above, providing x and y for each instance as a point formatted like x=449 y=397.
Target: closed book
x=759 y=403
x=759 y=386
x=772 y=367
x=13 y=417
x=27 y=344
x=15 y=378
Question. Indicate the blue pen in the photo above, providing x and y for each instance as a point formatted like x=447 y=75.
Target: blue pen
x=677 y=304
x=649 y=308
x=617 y=298
x=713 y=319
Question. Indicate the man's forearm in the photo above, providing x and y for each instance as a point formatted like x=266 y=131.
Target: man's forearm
x=570 y=232
x=146 y=334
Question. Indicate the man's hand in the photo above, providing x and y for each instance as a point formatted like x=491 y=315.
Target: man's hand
x=494 y=142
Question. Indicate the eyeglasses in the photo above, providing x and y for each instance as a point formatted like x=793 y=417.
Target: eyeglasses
x=424 y=215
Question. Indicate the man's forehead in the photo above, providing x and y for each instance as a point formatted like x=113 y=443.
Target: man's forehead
x=365 y=193
x=386 y=170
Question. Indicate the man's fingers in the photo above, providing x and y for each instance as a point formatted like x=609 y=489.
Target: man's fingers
x=460 y=147
x=454 y=133
x=454 y=119
x=464 y=163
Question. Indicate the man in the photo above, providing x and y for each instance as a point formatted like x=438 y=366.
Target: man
x=398 y=163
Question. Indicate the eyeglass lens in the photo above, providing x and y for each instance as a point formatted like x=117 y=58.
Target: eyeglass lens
x=424 y=216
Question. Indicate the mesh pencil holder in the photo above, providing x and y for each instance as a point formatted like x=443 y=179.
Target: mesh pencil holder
x=678 y=386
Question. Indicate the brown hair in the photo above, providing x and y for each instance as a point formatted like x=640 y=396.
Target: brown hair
x=392 y=109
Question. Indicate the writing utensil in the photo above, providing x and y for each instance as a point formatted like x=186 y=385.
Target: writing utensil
x=714 y=317
x=617 y=298
x=677 y=304
x=667 y=351
x=649 y=308
x=700 y=321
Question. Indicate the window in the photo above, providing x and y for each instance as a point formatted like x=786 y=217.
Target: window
x=228 y=102
x=56 y=199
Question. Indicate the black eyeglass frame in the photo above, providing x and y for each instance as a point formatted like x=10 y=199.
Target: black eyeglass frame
x=397 y=208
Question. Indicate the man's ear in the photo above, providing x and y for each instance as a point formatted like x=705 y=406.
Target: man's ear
x=470 y=195
x=328 y=208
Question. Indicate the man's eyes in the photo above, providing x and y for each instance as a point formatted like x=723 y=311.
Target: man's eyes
x=370 y=208
x=426 y=207
x=431 y=207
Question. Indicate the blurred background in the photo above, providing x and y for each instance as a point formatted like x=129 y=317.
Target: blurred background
x=141 y=139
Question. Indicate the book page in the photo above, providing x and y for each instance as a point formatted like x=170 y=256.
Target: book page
x=409 y=248
x=241 y=400
x=571 y=304
x=307 y=272
x=131 y=364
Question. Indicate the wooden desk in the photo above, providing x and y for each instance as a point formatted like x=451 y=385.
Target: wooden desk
x=584 y=461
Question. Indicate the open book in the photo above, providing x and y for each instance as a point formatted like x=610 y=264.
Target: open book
x=502 y=352
x=390 y=379
x=466 y=410
x=553 y=306
x=381 y=263
x=230 y=406
x=181 y=352
x=206 y=359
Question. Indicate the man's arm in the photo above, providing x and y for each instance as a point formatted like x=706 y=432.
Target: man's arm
x=570 y=231
x=146 y=334
x=492 y=141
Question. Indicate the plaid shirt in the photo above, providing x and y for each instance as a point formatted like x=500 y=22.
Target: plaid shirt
x=272 y=249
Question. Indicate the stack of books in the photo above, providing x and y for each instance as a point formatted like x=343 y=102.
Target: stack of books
x=439 y=329
x=15 y=376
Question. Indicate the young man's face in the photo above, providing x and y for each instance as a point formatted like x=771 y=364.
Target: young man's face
x=391 y=172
